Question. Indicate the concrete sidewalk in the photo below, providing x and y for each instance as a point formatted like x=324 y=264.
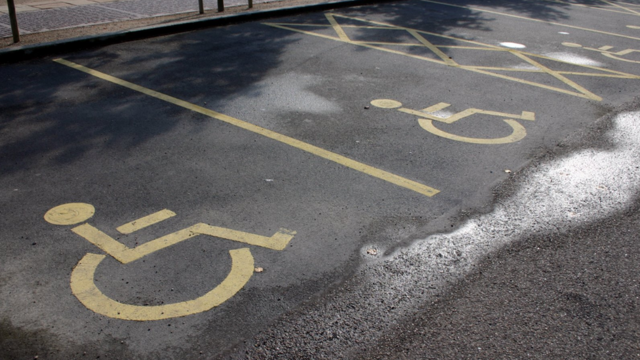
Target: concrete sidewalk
x=42 y=16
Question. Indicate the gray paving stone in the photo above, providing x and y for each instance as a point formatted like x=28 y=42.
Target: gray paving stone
x=61 y=18
x=53 y=19
x=5 y=31
x=155 y=8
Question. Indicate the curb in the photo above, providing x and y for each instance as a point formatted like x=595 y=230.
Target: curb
x=82 y=43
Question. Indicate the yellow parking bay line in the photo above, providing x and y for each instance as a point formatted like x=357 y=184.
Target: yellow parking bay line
x=342 y=160
x=532 y=19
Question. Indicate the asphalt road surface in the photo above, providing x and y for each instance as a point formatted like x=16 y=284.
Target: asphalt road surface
x=401 y=180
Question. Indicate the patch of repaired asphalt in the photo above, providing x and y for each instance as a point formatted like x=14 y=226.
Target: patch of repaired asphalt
x=596 y=178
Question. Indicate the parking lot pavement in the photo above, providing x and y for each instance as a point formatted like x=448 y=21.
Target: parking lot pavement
x=178 y=196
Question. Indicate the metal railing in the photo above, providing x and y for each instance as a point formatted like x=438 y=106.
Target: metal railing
x=16 y=32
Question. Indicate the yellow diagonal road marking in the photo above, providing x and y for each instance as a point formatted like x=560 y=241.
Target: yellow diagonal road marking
x=442 y=58
x=530 y=19
x=620 y=7
x=325 y=154
x=592 y=7
x=555 y=74
x=447 y=60
x=337 y=28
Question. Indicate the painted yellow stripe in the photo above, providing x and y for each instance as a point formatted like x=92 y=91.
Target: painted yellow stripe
x=530 y=19
x=590 y=7
x=148 y=220
x=620 y=7
x=502 y=76
x=382 y=43
x=469 y=68
x=478 y=69
x=625 y=52
x=508 y=69
x=598 y=75
x=626 y=75
x=328 y=155
x=553 y=73
x=329 y=25
x=447 y=60
x=336 y=27
x=395 y=27
x=483 y=48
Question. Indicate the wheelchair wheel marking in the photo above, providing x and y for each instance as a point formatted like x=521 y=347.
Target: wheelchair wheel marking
x=85 y=289
x=519 y=132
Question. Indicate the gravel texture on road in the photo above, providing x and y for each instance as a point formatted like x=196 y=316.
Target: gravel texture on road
x=549 y=272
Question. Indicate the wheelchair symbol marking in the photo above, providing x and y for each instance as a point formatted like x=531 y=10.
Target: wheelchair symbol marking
x=82 y=277
x=146 y=221
x=426 y=119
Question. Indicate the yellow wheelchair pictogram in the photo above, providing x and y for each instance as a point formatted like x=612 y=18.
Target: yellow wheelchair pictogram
x=604 y=50
x=426 y=119
x=82 y=277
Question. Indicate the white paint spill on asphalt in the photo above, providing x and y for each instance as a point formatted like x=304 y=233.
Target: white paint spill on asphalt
x=525 y=66
x=512 y=45
x=442 y=113
x=553 y=197
x=574 y=59
x=584 y=187
x=563 y=33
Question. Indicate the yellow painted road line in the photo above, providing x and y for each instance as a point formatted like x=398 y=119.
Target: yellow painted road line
x=483 y=48
x=581 y=92
x=396 y=27
x=620 y=7
x=615 y=72
x=597 y=75
x=447 y=60
x=336 y=27
x=143 y=222
x=555 y=74
x=325 y=154
x=330 y=26
x=590 y=7
x=493 y=68
x=382 y=43
x=502 y=76
x=530 y=19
